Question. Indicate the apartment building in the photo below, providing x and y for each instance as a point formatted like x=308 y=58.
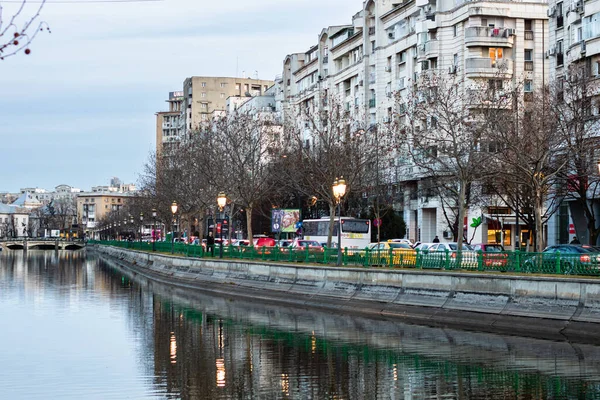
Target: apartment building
x=204 y=95
x=93 y=207
x=574 y=33
x=390 y=44
x=169 y=124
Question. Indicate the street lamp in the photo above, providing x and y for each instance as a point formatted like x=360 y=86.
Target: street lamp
x=174 y=211
x=153 y=230
x=132 y=228
x=221 y=202
x=339 y=190
x=141 y=225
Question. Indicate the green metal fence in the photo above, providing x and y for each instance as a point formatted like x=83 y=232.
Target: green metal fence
x=586 y=264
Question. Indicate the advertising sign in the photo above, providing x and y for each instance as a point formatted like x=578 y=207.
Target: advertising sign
x=284 y=220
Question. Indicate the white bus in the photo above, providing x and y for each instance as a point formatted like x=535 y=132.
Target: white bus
x=356 y=233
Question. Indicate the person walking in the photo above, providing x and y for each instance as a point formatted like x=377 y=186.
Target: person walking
x=436 y=239
x=575 y=240
x=210 y=243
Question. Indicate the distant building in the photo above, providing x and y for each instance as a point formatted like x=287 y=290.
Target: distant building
x=14 y=221
x=95 y=206
x=170 y=123
x=203 y=95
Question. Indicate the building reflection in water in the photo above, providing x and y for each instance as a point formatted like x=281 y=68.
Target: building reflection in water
x=205 y=347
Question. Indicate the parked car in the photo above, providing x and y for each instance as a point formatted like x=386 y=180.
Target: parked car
x=403 y=254
x=265 y=241
x=422 y=246
x=407 y=241
x=300 y=244
x=571 y=259
x=284 y=242
x=494 y=254
x=435 y=256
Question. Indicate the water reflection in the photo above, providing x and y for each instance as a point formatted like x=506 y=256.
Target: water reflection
x=127 y=337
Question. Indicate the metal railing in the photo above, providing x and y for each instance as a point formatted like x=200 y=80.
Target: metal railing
x=584 y=264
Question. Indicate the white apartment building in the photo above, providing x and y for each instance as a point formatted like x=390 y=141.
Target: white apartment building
x=574 y=33
x=390 y=43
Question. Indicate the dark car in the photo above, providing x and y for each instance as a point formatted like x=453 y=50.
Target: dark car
x=494 y=254
x=566 y=259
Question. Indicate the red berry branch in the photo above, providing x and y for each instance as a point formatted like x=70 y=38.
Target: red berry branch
x=17 y=34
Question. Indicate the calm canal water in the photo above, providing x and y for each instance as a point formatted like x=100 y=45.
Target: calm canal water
x=76 y=327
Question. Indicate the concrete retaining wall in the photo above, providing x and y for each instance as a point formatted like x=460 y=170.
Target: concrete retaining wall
x=539 y=306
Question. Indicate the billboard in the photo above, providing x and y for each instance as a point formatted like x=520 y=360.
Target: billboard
x=284 y=220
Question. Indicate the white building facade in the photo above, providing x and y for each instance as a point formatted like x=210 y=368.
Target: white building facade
x=574 y=33
x=384 y=50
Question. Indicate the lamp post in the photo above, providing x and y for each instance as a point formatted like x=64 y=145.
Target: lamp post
x=221 y=202
x=153 y=230
x=132 y=228
x=174 y=211
x=141 y=225
x=339 y=190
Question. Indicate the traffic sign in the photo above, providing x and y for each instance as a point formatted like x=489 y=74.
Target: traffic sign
x=377 y=222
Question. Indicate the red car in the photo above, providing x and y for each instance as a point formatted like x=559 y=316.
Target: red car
x=265 y=241
x=300 y=244
x=494 y=254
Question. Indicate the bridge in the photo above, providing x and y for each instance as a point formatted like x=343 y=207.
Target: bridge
x=41 y=244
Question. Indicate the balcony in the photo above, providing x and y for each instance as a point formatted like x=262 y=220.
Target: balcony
x=485 y=66
x=428 y=49
x=528 y=35
x=477 y=36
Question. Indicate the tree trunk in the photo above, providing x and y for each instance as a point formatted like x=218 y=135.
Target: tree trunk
x=461 y=215
x=249 y=224
x=539 y=242
x=332 y=208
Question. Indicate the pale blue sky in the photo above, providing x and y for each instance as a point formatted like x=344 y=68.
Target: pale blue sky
x=80 y=108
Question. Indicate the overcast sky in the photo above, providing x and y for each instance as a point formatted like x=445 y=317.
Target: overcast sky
x=80 y=108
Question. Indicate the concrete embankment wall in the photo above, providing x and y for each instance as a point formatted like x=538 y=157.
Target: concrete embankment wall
x=548 y=307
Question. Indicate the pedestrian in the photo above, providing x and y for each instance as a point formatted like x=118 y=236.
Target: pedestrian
x=575 y=240
x=436 y=239
x=210 y=243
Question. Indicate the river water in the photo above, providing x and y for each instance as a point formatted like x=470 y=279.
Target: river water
x=74 y=326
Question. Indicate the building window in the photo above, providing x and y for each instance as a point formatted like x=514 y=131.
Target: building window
x=495 y=84
x=528 y=86
x=455 y=30
x=528 y=55
x=559 y=15
x=222 y=84
x=559 y=53
x=455 y=60
x=237 y=86
x=401 y=57
x=203 y=94
x=203 y=84
x=222 y=95
x=495 y=53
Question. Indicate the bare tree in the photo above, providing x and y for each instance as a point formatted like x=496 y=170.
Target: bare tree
x=578 y=128
x=531 y=156
x=448 y=133
x=247 y=146
x=326 y=142
x=18 y=30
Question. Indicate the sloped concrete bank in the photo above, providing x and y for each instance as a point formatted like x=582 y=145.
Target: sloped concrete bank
x=545 y=307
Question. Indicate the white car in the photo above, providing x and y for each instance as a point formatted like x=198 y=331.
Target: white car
x=407 y=241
